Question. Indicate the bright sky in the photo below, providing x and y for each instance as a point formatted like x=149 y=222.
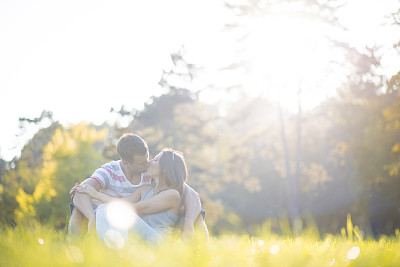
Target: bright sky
x=80 y=58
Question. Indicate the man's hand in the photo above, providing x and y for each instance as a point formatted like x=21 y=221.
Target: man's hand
x=187 y=232
x=200 y=226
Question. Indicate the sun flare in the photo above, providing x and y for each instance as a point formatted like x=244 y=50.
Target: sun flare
x=288 y=54
x=120 y=215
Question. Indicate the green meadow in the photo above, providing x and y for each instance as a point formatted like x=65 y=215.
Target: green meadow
x=35 y=245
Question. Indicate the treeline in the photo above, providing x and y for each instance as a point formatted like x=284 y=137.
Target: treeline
x=349 y=160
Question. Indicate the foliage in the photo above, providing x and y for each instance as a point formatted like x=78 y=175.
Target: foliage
x=41 y=191
x=20 y=174
x=349 y=158
x=392 y=118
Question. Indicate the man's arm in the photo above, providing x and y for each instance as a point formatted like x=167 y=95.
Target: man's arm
x=83 y=203
x=191 y=202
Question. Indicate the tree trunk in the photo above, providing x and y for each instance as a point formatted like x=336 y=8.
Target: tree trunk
x=290 y=181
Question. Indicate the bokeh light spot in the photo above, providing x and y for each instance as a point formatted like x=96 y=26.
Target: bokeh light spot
x=120 y=215
x=41 y=241
x=114 y=239
x=353 y=253
x=74 y=254
x=274 y=249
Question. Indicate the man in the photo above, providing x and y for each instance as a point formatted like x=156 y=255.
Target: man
x=121 y=178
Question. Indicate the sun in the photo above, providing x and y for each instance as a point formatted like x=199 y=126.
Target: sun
x=289 y=55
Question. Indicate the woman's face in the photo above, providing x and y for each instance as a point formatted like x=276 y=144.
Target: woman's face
x=154 y=167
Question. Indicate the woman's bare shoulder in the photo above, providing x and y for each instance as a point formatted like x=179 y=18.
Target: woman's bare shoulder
x=172 y=194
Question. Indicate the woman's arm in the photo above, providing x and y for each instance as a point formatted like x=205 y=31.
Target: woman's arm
x=166 y=200
x=93 y=193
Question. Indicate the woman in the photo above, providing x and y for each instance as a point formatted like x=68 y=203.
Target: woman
x=157 y=204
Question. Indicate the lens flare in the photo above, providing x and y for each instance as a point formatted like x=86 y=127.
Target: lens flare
x=41 y=241
x=353 y=253
x=274 y=249
x=120 y=215
x=74 y=254
x=114 y=239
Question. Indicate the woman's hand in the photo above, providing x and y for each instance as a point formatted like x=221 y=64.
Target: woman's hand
x=73 y=190
x=86 y=189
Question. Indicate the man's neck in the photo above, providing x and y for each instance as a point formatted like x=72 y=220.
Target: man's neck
x=135 y=178
x=132 y=176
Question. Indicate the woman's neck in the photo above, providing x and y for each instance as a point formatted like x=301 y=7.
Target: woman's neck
x=158 y=187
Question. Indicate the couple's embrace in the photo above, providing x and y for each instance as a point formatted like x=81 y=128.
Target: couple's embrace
x=155 y=190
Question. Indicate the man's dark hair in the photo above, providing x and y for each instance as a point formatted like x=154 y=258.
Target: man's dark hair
x=131 y=144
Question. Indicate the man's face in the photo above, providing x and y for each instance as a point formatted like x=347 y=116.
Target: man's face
x=140 y=162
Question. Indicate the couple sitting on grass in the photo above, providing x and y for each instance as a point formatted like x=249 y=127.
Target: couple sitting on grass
x=159 y=196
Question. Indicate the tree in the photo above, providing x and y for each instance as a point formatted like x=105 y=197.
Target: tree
x=40 y=190
x=361 y=83
x=21 y=173
x=252 y=11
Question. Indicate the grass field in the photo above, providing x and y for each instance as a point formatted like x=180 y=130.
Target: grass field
x=37 y=245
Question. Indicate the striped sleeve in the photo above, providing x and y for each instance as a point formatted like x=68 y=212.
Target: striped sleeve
x=102 y=177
